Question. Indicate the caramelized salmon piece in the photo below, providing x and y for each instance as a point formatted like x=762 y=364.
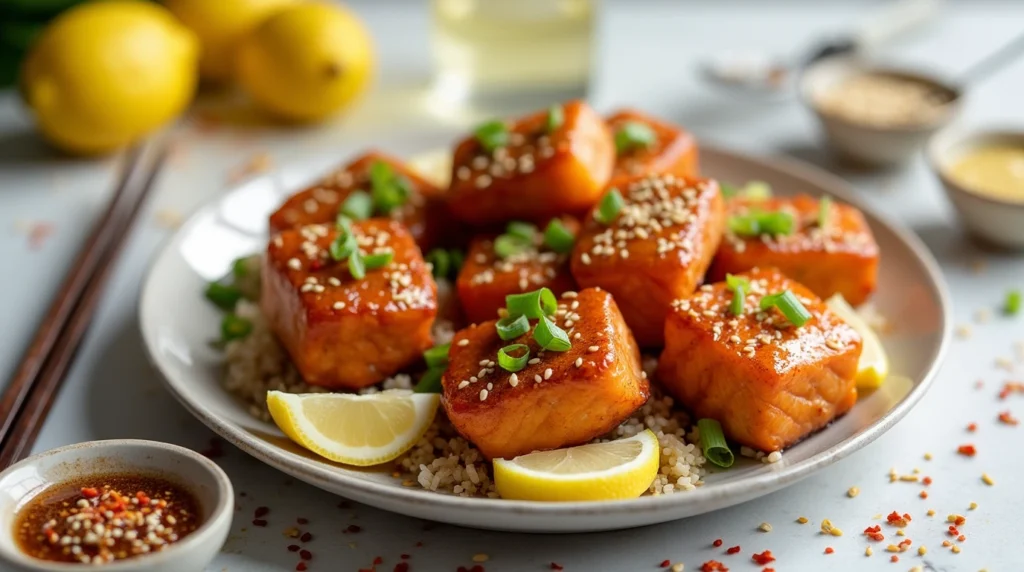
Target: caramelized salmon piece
x=560 y=398
x=673 y=150
x=341 y=332
x=656 y=250
x=840 y=258
x=486 y=278
x=423 y=211
x=539 y=174
x=767 y=382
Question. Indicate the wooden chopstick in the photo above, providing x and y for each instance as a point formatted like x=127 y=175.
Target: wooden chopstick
x=31 y=392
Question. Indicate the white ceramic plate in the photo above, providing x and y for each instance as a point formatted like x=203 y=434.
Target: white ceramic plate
x=177 y=324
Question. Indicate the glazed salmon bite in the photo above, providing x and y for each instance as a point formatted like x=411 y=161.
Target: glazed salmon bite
x=343 y=332
x=560 y=398
x=543 y=165
x=422 y=211
x=658 y=147
x=768 y=382
x=655 y=249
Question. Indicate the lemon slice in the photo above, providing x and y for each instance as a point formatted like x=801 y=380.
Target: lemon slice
x=599 y=471
x=354 y=429
x=874 y=364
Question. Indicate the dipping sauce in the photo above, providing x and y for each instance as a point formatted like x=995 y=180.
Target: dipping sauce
x=885 y=100
x=995 y=170
x=104 y=518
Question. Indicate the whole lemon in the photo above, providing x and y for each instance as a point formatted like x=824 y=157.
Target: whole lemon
x=104 y=74
x=306 y=61
x=220 y=25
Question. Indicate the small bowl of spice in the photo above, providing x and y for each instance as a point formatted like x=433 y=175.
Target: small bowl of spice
x=122 y=505
x=982 y=172
x=874 y=115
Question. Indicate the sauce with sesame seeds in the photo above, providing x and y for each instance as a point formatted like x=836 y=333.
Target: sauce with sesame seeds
x=104 y=518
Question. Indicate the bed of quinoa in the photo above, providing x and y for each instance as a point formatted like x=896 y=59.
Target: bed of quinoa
x=442 y=460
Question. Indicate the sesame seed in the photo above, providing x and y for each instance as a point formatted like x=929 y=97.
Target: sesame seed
x=339 y=305
x=593 y=349
x=463 y=384
x=765 y=527
x=579 y=362
x=534 y=361
x=294 y=264
x=547 y=373
x=852 y=492
x=463 y=343
x=973 y=506
x=585 y=258
x=802 y=520
x=868 y=551
x=513 y=380
x=987 y=479
x=537 y=378
x=483 y=394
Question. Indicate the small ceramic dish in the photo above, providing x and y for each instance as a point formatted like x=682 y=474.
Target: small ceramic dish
x=21 y=482
x=873 y=145
x=998 y=221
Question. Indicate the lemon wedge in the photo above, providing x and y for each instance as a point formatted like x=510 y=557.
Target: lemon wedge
x=599 y=471
x=873 y=366
x=354 y=429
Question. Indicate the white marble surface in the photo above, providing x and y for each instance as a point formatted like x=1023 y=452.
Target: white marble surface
x=647 y=55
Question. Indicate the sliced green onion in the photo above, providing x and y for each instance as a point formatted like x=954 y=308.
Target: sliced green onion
x=558 y=237
x=343 y=223
x=739 y=296
x=712 y=442
x=533 y=305
x=609 y=207
x=388 y=189
x=757 y=223
x=430 y=381
x=233 y=327
x=824 y=211
x=789 y=305
x=1013 y=302
x=732 y=282
x=555 y=118
x=224 y=296
x=756 y=191
x=728 y=191
x=492 y=135
x=509 y=362
x=511 y=327
x=508 y=245
x=245 y=265
x=437 y=356
x=634 y=135
x=550 y=336
x=440 y=262
x=457 y=258
x=357 y=265
x=343 y=246
x=377 y=260
x=358 y=205
x=523 y=230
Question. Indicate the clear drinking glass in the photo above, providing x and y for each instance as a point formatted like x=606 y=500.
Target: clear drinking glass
x=512 y=54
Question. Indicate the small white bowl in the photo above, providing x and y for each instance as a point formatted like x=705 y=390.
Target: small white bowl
x=997 y=221
x=864 y=143
x=21 y=482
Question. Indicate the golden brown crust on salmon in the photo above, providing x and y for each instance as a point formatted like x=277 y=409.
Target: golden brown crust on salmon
x=553 y=402
x=655 y=251
x=768 y=383
x=674 y=151
x=344 y=333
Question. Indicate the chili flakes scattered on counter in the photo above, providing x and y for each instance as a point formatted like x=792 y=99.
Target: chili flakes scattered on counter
x=967 y=450
x=763 y=558
x=713 y=566
x=1008 y=418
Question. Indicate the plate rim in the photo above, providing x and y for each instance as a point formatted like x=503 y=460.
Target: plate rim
x=322 y=474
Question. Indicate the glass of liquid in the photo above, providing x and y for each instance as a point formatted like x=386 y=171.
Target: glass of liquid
x=511 y=55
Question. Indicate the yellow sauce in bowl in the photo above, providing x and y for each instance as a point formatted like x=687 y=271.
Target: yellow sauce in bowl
x=996 y=171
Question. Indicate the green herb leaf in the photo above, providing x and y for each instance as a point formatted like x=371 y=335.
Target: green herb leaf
x=514 y=363
x=343 y=246
x=533 y=305
x=551 y=337
x=377 y=260
x=388 y=189
x=609 y=207
x=555 y=118
x=634 y=135
x=789 y=305
x=732 y=282
x=492 y=135
x=712 y=442
x=358 y=205
x=356 y=265
x=558 y=237
x=824 y=212
x=224 y=296
x=457 y=258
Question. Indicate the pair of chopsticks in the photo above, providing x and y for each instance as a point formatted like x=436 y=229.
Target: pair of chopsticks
x=30 y=393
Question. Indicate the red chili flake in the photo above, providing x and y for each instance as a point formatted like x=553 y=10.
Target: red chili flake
x=906 y=542
x=953 y=531
x=405 y=556
x=961 y=538
x=894 y=558
x=352 y=529
x=259 y=522
x=733 y=550
x=402 y=567
x=378 y=560
x=477 y=568
x=959 y=520
x=90 y=492
x=306 y=537
x=556 y=566
x=261 y=512
x=979 y=384
x=972 y=427
x=763 y=558
x=1008 y=418
x=419 y=544
x=462 y=569
x=967 y=450
x=874 y=533
x=927 y=481
x=301 y=520
x=293 y=548
x=665 y=563
x=307 y=555
x=768 y=570
x=713 y=566
x=829 y=550
x=1011 y=387
x=301 y=566
x=716 y=543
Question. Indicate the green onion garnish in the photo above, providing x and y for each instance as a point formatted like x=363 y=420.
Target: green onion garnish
x=732 y=282
x=550 y=336
x=508 y=245
x=457 y=258
x=343 y=246
x=343 y=223
x=492 y=135
x=756 y=191
x=224 y=296
x=789 y=305
x=558 y=238
x=712 y=442
x=357 y=265
x=728 y=191
x=757 y=223
x=1013 y=302
x=633 y=135
x=523 y=230
x=509 y=362
x=739 y=286
x=241 y=267
x=824 y=210
x=377 y=260
x=358 y=205
x=440 y=262
x=430 y=381
x=533 y=305
x=437 y=356
x=388 y=189
x=555 y=118
x=609 y=207
x=511 y=327
x=233 y=327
